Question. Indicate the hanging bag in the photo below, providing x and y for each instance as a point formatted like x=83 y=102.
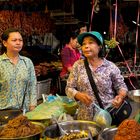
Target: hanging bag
x=117 y=114
x=121 y=113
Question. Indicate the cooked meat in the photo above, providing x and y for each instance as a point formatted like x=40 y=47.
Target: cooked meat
x=20 y=126
x=128 y=130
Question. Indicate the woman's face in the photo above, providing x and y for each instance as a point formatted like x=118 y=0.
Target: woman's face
x=14 y=43
x=73 y=42
x=90 y=47
x=83 y=29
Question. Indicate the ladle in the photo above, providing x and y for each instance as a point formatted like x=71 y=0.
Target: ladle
x=90 y=135
x=62 y=131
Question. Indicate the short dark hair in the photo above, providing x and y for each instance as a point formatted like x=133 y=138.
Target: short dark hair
x=5 y=36
x=72 y=34
x=80 y=25
x=102 y=52
x=6 y=33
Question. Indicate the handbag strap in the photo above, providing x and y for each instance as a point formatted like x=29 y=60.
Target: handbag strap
x=92 y=83
x=25 y=92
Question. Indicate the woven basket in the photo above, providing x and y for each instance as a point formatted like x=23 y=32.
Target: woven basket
x=43 y=87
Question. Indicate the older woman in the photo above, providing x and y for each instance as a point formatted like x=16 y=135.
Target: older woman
x=106 y=75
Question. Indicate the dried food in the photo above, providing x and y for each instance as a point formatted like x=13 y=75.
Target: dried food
x=20 y=126
x=72 y=136
x=129 y=129
x=75 y=135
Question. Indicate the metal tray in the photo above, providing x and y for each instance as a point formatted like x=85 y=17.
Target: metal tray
x=73 y=126
x=134 y=95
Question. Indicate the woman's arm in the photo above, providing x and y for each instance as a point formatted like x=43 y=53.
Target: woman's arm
x=71 y=88
x=119 y=86
x=117 y=101
x=32 y=87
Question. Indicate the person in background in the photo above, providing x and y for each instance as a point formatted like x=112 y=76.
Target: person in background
x=81 y=28
x=17 y=74
x=69 y=54
x=106 y=74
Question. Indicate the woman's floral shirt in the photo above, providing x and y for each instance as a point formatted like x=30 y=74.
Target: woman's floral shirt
x=14 y=79
x=105 y=76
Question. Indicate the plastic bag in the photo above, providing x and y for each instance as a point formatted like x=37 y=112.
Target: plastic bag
x=102 y=117
x=46 y=110
x=53 y=105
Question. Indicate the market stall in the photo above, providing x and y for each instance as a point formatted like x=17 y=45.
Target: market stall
x=47 y=69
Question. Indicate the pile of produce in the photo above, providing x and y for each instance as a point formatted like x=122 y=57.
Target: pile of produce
x=75 y=135
x=20 y=126
x=111 y=43
x=128 y=130
x=72 y=136
x=137 y=117
x=76 y=130
x=45 y=67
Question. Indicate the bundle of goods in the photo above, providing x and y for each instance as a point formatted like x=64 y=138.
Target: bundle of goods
x=44 y=68
x=53 y=106
x=20 y=126
x=128 y=130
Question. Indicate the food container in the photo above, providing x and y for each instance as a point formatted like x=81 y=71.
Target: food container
x=8 y=114
x=36 y=136
x=73 y=126
x=108 y=134
x=134 y=95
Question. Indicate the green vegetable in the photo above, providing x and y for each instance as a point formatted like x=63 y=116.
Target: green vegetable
x=137 y=117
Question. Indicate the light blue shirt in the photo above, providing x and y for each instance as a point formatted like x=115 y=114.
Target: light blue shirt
x=13 y=81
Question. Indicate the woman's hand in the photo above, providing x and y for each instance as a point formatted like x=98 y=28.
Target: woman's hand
x=31 y=108
x=117 y=101
x=84 y=98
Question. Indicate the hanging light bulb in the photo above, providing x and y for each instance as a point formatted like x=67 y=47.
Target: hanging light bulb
x=135 y=23
x=96 y=6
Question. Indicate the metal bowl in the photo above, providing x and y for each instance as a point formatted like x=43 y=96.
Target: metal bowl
x=36 y=136
x=134 y=95
x=73 y=126
x=108 y=134
x=8 y=114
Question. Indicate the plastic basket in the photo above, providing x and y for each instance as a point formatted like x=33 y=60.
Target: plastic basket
x=43 y=87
